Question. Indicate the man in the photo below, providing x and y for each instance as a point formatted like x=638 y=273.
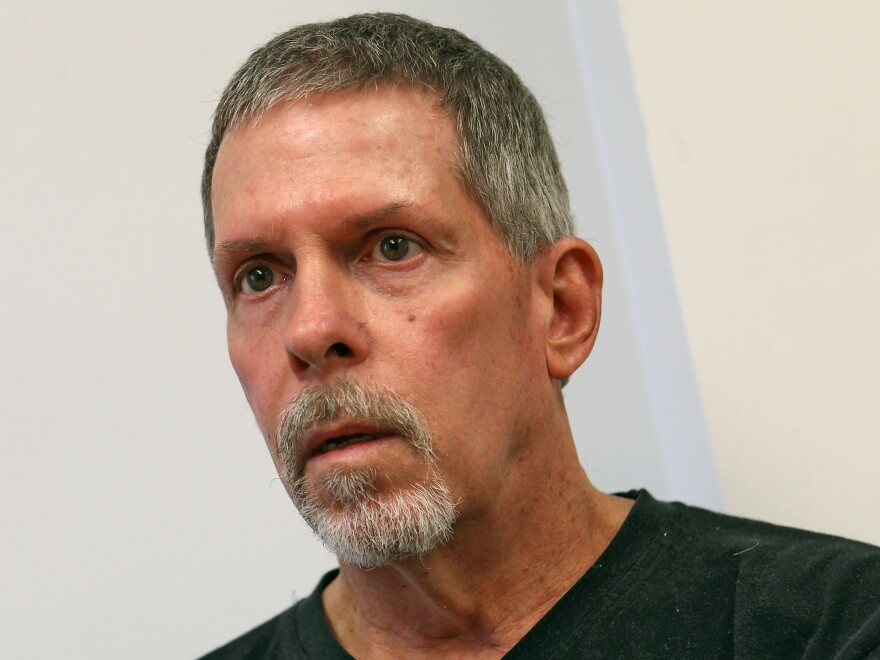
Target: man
x=391 y=233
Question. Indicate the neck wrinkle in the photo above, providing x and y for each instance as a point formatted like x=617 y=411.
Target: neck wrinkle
x=485 y=589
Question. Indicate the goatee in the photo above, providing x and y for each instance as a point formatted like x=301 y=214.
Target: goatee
x=364 y=526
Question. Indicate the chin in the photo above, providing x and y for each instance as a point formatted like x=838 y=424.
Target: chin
x=366 y=527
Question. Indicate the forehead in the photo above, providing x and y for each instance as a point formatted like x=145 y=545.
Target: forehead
x=388 y=140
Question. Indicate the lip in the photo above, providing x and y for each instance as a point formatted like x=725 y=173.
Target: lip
x=321 y=433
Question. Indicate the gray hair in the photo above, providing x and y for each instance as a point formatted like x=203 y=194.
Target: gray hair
x=506 y=156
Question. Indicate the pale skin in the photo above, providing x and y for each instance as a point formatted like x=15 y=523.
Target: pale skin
x=319 y=194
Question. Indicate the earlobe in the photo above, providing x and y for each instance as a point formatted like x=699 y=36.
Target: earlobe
x=574 y=283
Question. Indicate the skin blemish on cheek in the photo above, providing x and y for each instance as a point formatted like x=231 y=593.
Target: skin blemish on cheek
x=411 y=318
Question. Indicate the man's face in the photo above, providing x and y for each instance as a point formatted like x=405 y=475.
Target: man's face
x=348 y=247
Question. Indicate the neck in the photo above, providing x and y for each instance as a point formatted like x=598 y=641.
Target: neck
x=506 y=566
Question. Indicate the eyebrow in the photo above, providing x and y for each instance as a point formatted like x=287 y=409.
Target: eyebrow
x=227 y=250
x=367 y=220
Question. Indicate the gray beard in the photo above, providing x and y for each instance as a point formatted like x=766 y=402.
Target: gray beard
x=365 y=527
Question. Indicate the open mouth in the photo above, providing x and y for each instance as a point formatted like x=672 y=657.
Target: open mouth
x=345 y=440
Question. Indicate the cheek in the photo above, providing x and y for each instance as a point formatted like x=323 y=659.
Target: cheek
x=257 y=372
x=481 y=328
x=467 y=349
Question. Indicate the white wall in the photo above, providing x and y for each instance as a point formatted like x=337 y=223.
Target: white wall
x=762 y=123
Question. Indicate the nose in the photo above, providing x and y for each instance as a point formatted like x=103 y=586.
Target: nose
x=324 y=333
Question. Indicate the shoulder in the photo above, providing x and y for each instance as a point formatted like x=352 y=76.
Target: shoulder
x=767 y=550
x=680 y=581
x=782 y=587
x=707 y=536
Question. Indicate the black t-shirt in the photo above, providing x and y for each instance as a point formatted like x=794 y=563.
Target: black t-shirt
x=675 y=582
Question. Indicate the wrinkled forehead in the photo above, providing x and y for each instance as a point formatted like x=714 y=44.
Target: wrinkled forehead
x=377 y=123
x=415 y=101
x=370 y=125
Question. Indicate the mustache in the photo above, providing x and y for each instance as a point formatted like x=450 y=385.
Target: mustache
x=345 y=398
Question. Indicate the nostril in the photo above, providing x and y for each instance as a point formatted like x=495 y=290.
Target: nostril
x=340 y=349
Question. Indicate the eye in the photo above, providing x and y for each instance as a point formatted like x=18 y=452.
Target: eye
x=257 y=279
x=395 y=248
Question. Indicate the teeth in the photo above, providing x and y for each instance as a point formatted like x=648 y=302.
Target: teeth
x=344 y=441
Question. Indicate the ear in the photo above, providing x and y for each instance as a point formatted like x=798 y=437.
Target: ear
x=571 y=280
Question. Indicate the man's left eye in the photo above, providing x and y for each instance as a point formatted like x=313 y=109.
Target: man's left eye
x=395 y=248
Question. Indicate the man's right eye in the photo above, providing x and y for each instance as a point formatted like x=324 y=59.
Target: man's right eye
x=257 y=279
